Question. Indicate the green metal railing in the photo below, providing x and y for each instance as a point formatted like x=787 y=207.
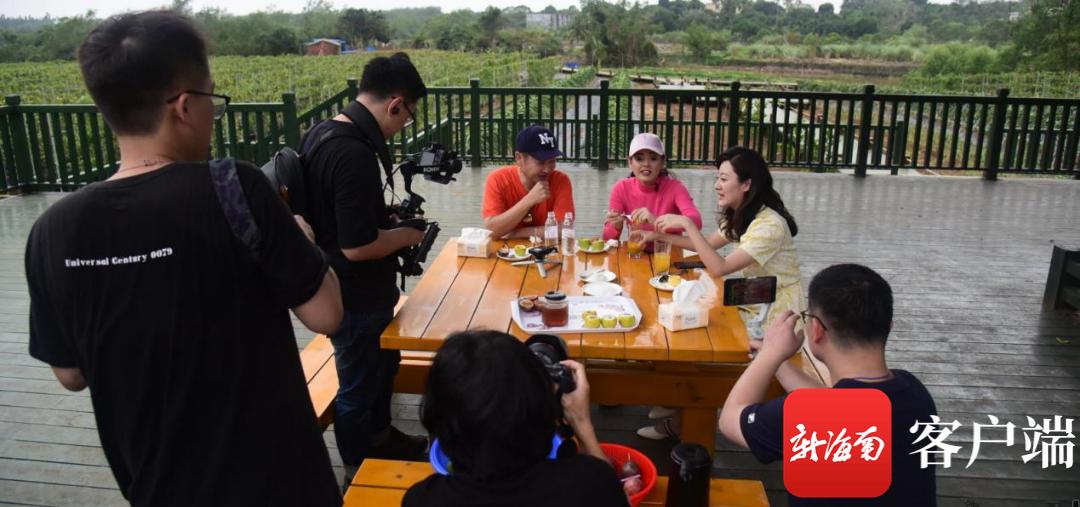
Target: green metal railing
x=54 y=147
x=61 y=147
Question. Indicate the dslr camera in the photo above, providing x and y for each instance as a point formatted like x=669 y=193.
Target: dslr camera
x=434 y=163
x=550 y=350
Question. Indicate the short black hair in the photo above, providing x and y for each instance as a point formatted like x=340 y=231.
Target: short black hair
x=393 y=76
x=131 y=62
x=491 y=404
x=855 y=303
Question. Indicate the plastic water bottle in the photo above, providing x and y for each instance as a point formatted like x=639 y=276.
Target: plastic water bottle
x=551 y=230
x=568 y=234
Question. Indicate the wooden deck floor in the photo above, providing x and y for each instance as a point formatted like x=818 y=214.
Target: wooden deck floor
x=967 y=261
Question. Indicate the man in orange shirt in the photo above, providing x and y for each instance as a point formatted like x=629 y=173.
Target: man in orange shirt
x=517 y=198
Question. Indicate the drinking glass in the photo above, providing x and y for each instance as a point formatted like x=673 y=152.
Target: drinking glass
x=661 y=256
x=635 y=243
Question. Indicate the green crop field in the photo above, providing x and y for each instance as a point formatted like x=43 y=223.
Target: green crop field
x=1020 y=84
x=265 y=78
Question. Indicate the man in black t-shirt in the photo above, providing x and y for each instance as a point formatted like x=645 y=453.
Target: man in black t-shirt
x=847 y=324
x=141 y=291
x=352 y=225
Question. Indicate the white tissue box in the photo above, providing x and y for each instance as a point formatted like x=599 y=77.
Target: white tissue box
x=676 y=318
x=479 y=248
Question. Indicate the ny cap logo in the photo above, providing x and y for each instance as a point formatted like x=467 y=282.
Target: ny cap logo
x=546 y=140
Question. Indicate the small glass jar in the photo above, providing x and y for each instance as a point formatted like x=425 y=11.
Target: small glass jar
x=555 y=309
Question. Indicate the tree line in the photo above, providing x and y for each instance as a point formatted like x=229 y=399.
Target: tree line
x=958 y=37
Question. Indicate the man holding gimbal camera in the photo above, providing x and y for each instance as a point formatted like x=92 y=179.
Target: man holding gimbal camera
x=353 y=225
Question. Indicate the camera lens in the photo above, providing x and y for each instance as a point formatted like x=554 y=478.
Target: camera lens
x=547 y=354
x=550 y=350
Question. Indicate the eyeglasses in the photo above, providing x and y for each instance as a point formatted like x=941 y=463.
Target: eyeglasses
x=410 y=111
x=806 y=315
x=220 y=101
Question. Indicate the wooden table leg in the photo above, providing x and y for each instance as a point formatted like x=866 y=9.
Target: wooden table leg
x=699 y=427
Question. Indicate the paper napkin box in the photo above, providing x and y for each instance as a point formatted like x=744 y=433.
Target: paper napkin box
x=686 y=310
x=474 y=242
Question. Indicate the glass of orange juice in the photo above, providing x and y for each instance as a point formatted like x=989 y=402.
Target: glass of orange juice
x=661 y=256
x=635 y=243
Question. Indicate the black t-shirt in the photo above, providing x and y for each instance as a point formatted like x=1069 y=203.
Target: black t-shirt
x=911 y=484
x=184 y=339
x=578 y=481
x=347 y=209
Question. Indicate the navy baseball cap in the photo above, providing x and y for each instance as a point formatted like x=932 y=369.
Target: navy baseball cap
x=538 y=142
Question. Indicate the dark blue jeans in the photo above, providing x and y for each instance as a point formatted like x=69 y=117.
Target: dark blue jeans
x=365 y=382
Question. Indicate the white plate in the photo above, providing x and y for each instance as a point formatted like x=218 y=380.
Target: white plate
x=602 y=289
x=513 y=257
x=597 y=275
x=532 y=322
x=578 y=249
x=655 y=282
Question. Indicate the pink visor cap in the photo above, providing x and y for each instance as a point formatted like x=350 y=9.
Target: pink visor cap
x=646 y=141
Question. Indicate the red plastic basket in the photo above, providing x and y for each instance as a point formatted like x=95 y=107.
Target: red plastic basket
x=618 y=454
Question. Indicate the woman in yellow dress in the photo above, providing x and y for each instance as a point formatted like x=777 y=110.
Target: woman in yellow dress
x=752 y=217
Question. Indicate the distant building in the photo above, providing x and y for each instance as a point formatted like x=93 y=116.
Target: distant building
x=322 y=47
x=548 y=20
x=1013 y=16
x=520 y=10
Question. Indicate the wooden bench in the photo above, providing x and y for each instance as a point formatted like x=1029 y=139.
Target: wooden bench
x=383 y=482
x=320 y=372
x=1063 y=281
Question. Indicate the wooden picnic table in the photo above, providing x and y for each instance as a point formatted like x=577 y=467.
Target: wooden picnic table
x=692 y=369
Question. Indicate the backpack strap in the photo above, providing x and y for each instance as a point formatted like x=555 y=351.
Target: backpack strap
x=330 y=134
x=364 y=122
x=234 y=203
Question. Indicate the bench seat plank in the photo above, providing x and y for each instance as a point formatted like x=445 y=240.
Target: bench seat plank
x=384 y=482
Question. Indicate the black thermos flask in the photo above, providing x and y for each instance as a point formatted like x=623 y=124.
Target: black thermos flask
x=688 y=485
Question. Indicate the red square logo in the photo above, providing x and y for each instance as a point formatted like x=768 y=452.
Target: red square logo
x=837 y=443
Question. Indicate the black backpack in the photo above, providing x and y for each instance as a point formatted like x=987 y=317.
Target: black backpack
x=285 y=170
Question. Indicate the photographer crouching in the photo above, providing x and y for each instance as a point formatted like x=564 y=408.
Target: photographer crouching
x=344 y=159
x=493 y=404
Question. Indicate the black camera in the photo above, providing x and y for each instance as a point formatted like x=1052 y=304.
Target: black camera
x=434 y=163
x=551 y=350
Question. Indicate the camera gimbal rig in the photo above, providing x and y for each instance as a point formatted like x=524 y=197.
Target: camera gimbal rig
x=434 y=163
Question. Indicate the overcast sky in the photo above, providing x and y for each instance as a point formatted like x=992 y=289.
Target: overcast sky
x=60 y=8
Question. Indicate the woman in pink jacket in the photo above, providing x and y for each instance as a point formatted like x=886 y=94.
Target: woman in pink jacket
x=649 y=192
